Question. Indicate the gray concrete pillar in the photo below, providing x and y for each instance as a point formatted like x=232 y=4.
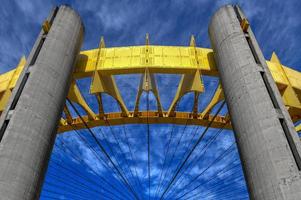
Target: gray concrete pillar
x=268 y=144
x=28 y=125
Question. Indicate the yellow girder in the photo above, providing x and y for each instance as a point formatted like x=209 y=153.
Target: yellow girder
x=143 y=117
x=162 y=59
x=134 y=59
x=191 y=61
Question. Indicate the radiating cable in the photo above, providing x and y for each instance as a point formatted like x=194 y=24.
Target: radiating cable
x=96 y=154
x=165 y=156
x=202 y=152
x=74 y=173
x=103 y=150
x=148 y=146
x=192 y=150
x=74 y=194
x=230 y=178
x=119 y=146
x=220 y=157
x=80 y=160
x=174 y=153
x=225 y=188
x=132 y=156
x=71 y=188
x=64 y=148
x=223 y=170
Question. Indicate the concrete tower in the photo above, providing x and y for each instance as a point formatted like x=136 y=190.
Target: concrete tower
x=268 y=144
x=28 y=125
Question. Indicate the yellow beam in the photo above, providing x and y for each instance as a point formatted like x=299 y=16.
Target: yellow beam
x=8 y=82
x=217 y=97
x=143 y=118
x=162 y=59
x=298 y=128
x=188 y=83
x=156 y=59
x=148 y=84
x=75 y=95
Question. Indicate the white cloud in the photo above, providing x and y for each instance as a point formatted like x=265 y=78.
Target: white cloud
x=276 y=25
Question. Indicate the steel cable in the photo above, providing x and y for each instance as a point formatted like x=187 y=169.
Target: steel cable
x=192 y=150
x=103 y=150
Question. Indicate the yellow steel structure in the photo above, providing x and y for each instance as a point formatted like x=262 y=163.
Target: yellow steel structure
x=192 y=62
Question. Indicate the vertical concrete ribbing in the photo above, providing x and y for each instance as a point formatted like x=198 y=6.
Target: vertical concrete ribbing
x=270 y=168
x=28 y=139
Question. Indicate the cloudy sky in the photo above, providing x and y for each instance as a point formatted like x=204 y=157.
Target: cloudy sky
x=78 y=169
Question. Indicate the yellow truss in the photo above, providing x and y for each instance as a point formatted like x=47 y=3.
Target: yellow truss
x=192 y=62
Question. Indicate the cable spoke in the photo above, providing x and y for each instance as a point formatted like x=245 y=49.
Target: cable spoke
x=173 y=155
x=118 y=175
x=97 y=156
x=132 y=156
x=104 y=151
x=191 y=151
x=148 y=147
x=119 y=146
x=198 y=157
x=65 y=148
x=164 y=161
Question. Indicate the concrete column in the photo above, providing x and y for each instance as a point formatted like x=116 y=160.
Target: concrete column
x=268 y=144
x=29 y=124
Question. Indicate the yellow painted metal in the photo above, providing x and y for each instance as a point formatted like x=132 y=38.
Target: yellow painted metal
x=244 y=24
x=192 y=62
x=9 y=79
x=289 y=95
x=298 y=128
x=143 y=117
x=132 y=59
x=147 y=84
x=8 y=82
x=190 y=82
x=217 y=97
x=68 y=115
x=165 y=59
x=46 y=26
x=106 y=84
x=4 y=98
x=75 y=95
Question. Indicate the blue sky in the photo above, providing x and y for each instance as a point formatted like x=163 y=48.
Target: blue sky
x=75 y=171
